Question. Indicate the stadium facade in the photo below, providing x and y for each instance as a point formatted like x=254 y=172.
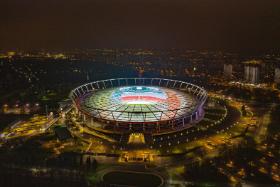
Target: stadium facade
x=151 y=105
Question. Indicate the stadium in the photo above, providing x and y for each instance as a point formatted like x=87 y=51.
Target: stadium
x=139 y=105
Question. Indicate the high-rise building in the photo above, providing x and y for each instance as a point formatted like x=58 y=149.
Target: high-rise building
x=252 y=71
x=277 y=76
x=228 y=70
x=252 y=74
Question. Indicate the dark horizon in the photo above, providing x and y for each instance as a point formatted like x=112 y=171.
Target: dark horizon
x=239 y=26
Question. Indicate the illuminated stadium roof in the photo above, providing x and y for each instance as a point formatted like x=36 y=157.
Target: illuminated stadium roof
x=138 y=103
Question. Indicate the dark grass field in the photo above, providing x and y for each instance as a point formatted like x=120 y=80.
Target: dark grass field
x=132 y=179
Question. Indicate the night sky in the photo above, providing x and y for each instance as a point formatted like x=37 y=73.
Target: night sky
x=239 y=25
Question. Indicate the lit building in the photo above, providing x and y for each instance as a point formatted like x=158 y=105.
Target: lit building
x=277 y=76
x=228 y=70
x=252 y=71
